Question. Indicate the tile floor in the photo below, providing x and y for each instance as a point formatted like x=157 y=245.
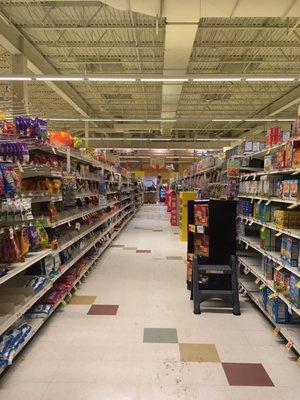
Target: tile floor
x=130 y=334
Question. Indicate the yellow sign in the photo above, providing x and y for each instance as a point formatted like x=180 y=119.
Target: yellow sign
x=272 y=296
x=262 y=286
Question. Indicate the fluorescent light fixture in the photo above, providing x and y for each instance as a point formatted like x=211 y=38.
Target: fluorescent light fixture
x=97 y=119
x=260 y=120
x=258 y=79
x=128 y=120
x=285 y=119
x=216 y=79
x=161 y=120
x=227 y=120
x=164 y=79
x=104 y=79
x=64 y=119
x=15 y=78
x=59 y=78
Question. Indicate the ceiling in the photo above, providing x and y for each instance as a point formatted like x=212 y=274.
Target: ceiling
x=91 y=37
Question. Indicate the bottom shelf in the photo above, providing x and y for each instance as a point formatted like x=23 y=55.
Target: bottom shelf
x=289 y=332
x=37 y=323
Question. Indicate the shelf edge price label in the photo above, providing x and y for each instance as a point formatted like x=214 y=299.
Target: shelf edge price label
x=268 y=202
x=298 y=361
x=276 y=330
x=246 y=271
x=192 y=228
x=279 y=268
x=257 y=281
x=278 y=234
x=289 y=345
x=272 y=296
x=262 y=286
x=200 y=229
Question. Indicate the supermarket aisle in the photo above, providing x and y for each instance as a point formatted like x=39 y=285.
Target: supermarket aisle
x=130 y=333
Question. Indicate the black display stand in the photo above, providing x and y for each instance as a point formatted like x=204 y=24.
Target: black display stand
x=216 y=274
x=221 y=229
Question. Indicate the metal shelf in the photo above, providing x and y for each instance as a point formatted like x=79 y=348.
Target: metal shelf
x=272 y=255
x=253 y=265
x=270 y=199
x=291 y=232
x=38 y=322
x=16 y=268
x=291 y=333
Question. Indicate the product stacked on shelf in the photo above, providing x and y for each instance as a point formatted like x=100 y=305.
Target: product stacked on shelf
x=269 y=227
x=216 y=177
x=60 y=210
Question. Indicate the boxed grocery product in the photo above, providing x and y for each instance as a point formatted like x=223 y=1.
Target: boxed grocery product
x=265 y=238
x=286 y=135
x=294 y=292
x=296 y=154
x=294 y=189
x=268 y=268
x=257 y=146
x=264 y=296
x=282 y=281
x=281 y=218
x=278 y=189
x=294 y=219
x=201 y=212
x=292 y=250
x=289 y=155
x=278 y=310
x=268 y=164
x=280 y=160
x=201 y=244
x=296 y=128
x=268 y=139
x=285 y=189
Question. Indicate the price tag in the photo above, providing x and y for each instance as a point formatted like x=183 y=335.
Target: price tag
x=272 y=296
x=53 y=150
x=247 y=246
x=298 y=285
x=294 y=205
x=254 y=177
x=278 y=234
x=192 y=228
x=262 y=286
x=257 y=281
x=252 y=201
x=268 y=202
x=200 y=229
x=263 y=229
x=276 y=331
x=289 y=308
x=279 y=268
x=289 y=345
x=11 y=233
x=298 y=361
x=20 y=167
x=63 y=302
x=259 y=201
x=246 y=271
x=251 y=223
x=69 y=223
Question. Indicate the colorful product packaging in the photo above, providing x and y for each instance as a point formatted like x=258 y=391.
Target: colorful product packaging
x=294 y=292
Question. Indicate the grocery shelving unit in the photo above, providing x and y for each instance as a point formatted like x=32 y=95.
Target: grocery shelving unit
x=266 y=195
x=84 y=233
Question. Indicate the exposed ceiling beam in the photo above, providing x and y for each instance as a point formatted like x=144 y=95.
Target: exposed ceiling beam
x=148 y=144
x=10 y=40
x=94 y=25
x=99 y=45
